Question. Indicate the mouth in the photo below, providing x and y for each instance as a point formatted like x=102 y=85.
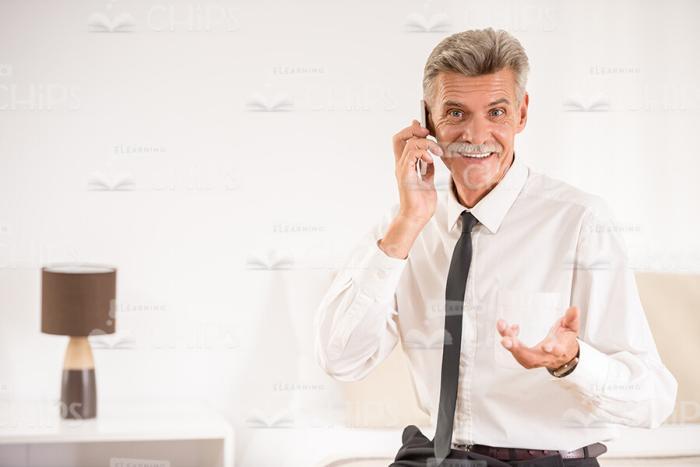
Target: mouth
x=477 y=156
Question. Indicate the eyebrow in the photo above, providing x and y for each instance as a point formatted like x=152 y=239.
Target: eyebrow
x=502 y=100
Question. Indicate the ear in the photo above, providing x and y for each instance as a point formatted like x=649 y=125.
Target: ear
x=522 y=113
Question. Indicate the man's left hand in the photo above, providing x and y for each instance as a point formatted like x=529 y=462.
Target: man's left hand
x=556 y=349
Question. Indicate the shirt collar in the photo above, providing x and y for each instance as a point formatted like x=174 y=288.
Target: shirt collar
x=492 y=208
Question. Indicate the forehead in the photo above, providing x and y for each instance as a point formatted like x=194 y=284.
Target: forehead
x=475 y=90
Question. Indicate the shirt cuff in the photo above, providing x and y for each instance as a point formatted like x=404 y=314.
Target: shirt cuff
x=378 y=274
x=591 y=370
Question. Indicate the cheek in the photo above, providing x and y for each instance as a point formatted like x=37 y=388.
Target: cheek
x=503 y=134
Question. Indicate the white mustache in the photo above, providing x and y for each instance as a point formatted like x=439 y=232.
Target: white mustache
x=474 y=148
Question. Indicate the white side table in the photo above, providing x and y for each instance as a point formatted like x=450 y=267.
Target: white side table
x=124 y=434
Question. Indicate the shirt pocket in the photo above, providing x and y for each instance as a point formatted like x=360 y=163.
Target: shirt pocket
x=535 y=312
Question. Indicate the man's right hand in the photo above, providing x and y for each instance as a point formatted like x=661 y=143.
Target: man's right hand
x=418 y=198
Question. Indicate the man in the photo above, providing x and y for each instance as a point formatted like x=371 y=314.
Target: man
x=543 y=345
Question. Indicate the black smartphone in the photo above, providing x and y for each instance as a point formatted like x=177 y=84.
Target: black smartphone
x=421 y=165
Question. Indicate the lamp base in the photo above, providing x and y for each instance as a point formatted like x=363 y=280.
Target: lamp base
x=78 y=387
x=78 y=394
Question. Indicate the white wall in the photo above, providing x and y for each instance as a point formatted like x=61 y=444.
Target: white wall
x=138 y=148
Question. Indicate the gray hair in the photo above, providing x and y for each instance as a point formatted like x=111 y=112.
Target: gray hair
x=474 y=53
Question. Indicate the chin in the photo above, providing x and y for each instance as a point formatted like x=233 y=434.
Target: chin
x=476 y=175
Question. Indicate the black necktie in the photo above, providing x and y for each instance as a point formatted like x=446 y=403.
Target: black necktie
x=454 y=301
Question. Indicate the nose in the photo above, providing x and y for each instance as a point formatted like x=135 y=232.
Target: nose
x=475 y=131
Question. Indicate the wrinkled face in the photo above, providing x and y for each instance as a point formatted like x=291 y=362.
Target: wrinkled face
x=475 y=120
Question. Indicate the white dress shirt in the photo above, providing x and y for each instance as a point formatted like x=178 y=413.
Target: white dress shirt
x=540 y=246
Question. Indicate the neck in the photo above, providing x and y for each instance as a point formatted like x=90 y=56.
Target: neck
x=470 y=198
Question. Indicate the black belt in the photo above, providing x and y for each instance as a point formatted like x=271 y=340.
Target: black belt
x=517 y=454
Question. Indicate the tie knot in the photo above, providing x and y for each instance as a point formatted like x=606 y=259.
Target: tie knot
x=468 y=221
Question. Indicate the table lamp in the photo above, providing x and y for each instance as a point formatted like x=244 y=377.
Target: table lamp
x=78 y=300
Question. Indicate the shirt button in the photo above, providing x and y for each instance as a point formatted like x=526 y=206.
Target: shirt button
x=381 y=273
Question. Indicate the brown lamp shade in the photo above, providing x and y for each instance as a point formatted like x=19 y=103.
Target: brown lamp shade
x=78 y=299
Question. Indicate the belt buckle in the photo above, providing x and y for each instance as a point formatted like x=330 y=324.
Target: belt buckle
x=568 y=454
x=463 y=446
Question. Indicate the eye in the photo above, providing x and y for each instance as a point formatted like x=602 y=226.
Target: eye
x=452 y=112
x=495 y=112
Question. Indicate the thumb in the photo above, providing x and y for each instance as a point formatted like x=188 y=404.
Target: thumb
x=571 y=318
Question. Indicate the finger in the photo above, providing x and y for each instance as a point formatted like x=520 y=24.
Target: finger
x=399 y=140
x=506 y=330
x=425 y=144
x=420 y=148
x=511 y=343
x=514 y=329
x=420 y=154
x=429 y=174
x=415 y=123
x=410 y=160
x=501 y=326
x=414 y=150
x=511 y=330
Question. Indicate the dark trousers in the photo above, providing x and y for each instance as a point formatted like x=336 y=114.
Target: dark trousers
x=417 y=451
